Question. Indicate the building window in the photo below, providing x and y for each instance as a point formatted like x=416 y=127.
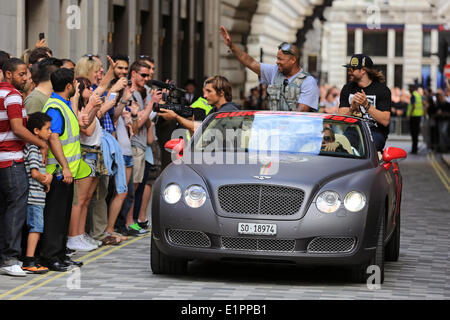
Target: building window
x=375 y=43
x=312 y=63
x=426 y=47
x=398 y=77
x=399 y=43
x=350 y=42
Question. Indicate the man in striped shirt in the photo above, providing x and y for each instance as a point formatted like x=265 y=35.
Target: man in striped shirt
x=13 y=176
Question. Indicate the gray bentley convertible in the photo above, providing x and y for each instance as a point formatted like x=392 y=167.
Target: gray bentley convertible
x=287 y=187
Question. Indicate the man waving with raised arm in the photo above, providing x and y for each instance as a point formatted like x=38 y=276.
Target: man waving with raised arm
x=290 y=88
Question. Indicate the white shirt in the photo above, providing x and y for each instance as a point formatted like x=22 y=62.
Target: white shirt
x=95 y=139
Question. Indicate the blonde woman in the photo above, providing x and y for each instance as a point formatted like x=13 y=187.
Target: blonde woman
x=86 y=69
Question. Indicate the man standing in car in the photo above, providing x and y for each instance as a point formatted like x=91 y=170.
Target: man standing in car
x=290 y=88
x=367 y=96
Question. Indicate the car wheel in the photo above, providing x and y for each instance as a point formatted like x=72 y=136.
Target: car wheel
x=360 y=273
x=163 y=264
x=393 y=246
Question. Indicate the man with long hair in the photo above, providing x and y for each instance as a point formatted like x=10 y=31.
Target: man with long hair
x=367 y=96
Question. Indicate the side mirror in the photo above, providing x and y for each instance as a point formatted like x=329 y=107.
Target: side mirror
x=175 y=146
x=392 y=153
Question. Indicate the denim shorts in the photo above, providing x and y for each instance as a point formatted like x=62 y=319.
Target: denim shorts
x=91 y=160
x=35 y=218
x=128 y=161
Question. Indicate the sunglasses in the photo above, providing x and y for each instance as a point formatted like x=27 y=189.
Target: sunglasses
x=327 y=138
x=144 y=75
x=286 y=48
x=90 y=56
x=353 y=69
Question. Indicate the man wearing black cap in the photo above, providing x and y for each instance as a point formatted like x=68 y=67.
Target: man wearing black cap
x=367 y=96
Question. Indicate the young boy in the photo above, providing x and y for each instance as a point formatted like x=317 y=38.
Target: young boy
x=39 y=124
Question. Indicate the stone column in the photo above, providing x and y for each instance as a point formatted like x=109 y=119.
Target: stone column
x=390 y=68
x=337 y=49
x=359 y=40
x=132 y=30
x=20 y=30
x=192 y=19
x=213 y=19
x=412 y=51
x=434 y=58
x=175 y=40
x=156 y=33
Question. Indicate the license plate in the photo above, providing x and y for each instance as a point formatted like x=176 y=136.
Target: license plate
x=263 y=229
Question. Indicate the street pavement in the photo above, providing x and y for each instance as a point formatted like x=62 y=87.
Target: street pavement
x=123 y=272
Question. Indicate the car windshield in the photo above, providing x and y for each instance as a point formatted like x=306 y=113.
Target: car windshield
x=274 y=132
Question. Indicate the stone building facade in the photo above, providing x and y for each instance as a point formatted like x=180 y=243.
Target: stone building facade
x=401 y=36
x=182 y=35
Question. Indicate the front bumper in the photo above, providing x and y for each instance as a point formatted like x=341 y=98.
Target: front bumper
x=182 y=232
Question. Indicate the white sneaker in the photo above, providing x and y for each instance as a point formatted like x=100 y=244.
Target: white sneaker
x=91 y=240
x=78 y=244
x=14 y=270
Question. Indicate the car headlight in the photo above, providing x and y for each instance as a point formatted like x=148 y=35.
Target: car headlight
x=195 y=196
x=328 y=202
x=172 y=193
x=354 y=201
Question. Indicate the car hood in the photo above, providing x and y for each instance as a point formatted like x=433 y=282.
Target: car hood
x=305 y=172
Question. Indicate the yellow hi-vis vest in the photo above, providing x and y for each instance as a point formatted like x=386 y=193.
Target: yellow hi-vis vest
x=418 y=106
x=201 y=103
x=70 y=141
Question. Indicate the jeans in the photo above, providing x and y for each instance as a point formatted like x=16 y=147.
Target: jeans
x=35 y=218
x=379 y=139
x=13 y=212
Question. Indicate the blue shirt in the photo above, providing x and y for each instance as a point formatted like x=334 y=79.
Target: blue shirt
x=58 y=122
x=106 y=121
x=309 y=94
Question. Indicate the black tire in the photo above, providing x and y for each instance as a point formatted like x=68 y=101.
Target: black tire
x=393 y=246
x=359 y=273
x=163 y=264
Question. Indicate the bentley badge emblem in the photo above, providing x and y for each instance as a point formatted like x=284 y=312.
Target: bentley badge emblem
x=262 y=177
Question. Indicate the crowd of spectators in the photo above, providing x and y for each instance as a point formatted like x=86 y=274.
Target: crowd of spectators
x=78 y=144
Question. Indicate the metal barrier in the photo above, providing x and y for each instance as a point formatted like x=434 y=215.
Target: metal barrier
x=399 y=126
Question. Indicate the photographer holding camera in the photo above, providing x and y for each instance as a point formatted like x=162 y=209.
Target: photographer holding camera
x=217 y=91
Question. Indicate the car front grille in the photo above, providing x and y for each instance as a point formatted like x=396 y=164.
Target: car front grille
x=260 y=199
x=331 y=245
x=252 y=244
x=188 y=238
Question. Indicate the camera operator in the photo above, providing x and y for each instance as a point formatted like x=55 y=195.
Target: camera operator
x=217 y=91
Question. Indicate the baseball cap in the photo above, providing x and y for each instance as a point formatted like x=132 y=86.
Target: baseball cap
x=358 y=61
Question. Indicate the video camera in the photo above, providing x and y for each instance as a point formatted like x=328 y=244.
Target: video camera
x=176 y=101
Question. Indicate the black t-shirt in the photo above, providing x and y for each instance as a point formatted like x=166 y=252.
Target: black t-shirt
x=378 y=94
